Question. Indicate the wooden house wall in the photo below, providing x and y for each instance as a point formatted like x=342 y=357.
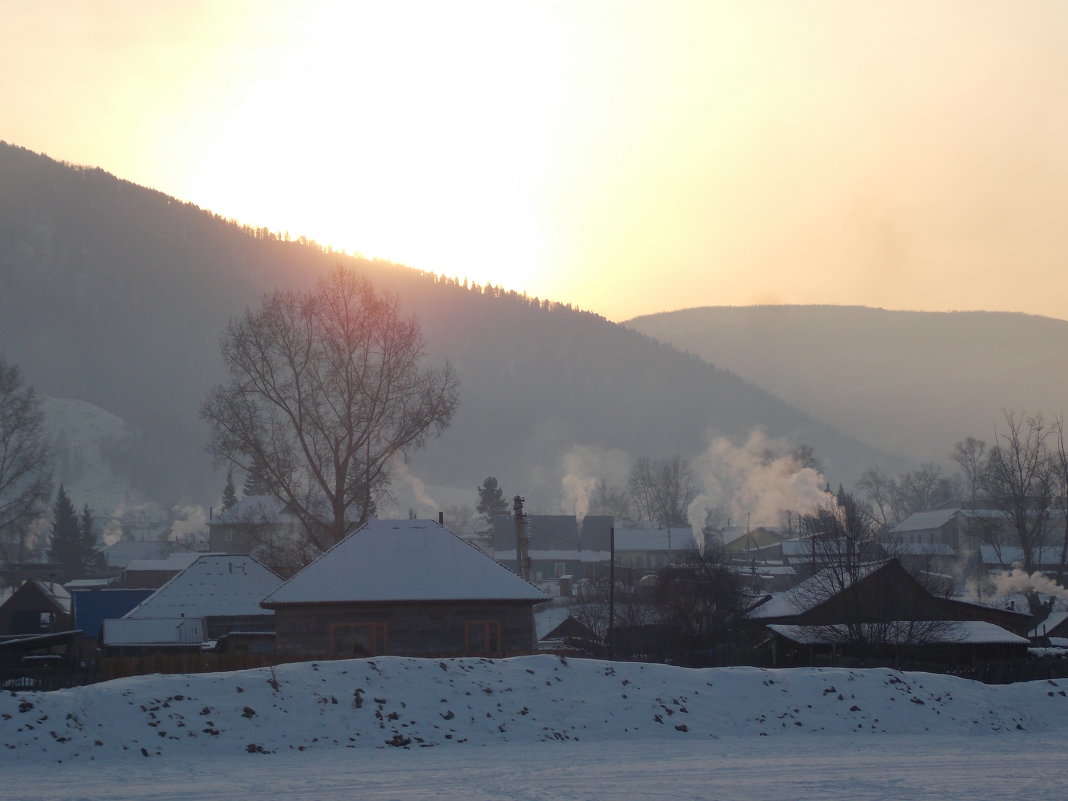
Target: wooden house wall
x=29 y=600
x=412 y=629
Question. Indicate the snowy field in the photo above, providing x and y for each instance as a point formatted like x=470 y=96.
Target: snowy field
x=536 y=728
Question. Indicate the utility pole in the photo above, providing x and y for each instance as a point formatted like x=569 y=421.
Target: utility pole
x=522 y=539
x=611 y=592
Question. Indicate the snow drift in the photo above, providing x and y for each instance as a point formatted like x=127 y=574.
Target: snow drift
x=411 y=703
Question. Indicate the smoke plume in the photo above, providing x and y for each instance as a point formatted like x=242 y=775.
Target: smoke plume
x=750 y=481
x=583 y=466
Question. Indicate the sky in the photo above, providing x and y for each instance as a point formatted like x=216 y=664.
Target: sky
x=626 y=157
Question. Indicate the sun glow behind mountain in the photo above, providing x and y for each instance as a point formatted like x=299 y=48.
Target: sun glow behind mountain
x=628 y=158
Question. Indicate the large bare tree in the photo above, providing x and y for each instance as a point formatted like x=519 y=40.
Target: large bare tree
x=25 y=460
x=326 y=388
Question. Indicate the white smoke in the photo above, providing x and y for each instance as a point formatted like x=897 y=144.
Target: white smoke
x=1018 y=581
x=583 y=466
x=750 y=483
x=188 y=522
x=400 y=470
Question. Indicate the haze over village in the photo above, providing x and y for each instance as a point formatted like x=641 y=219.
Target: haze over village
x=600 y=387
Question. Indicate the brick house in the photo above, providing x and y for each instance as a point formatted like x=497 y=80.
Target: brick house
x=405 y=588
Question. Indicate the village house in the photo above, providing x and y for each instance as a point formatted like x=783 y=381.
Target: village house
x=648 y=548
x=972 y=537
x=213 y=597
x=881 y=605
x=558 y=546
x=405 y=588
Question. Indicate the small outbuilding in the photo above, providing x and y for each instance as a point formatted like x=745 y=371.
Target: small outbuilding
x=36 y=607
x=214 y=596
x=405 y=588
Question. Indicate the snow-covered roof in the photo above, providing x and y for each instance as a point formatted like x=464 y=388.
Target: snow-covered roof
x=120 y=554
x=1007 y=555
x=923 y=549
x=813 y=591
x=56 y=592
x=214 y=585
x=403 y=560
x=925 y=521
x=545 y=620
x=174 y=561
x=679 y=538
x=961 y=632
x=154 y=631
x=1049 y=624
x=86 y=584
x=558 y=556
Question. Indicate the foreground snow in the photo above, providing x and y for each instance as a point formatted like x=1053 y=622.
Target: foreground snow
x=544 y=727
x=885 y=768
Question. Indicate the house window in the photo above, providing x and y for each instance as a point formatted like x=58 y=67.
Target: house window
x=358 y=639
x=482 y=638
x=559 y=568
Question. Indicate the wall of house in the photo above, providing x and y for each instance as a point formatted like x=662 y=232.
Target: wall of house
x=415 y=629
x=29 y=611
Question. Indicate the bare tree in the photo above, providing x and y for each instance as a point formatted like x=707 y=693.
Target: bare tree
x=606 y=500
x=1019 y=481
x=662 y=490
x=970 y=454
x=25 y=460
x=325 y=389
x=894 y=499
x=845 y=552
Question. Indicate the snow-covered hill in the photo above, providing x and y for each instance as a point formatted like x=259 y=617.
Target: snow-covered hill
x=412 y=703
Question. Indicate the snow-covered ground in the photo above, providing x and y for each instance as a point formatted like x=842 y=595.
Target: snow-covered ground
x=536 y=728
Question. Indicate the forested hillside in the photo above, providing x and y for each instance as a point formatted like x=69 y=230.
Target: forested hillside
x=914 y=382
x=116 y=295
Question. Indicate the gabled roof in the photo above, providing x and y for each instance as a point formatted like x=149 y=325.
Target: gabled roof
x=1049 y=624
x=174 y=561
x=56 y=593
x=1008 y=555
x=403 y=560
x=555 y=532
x=949 y=632
x=812 y=591
x=120 y=554
x=677 y=538
x=925 y=521
x=214 y=585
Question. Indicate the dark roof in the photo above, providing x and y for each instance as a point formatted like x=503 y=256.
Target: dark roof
x=556 y=532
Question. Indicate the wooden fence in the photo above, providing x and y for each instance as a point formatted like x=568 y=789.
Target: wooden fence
x=117 y=667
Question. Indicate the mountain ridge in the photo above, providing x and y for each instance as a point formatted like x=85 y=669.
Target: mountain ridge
x=116 y=295
x=916 y=381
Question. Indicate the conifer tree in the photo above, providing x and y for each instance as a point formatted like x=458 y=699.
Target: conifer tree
x=91 y=557
x=254 y=481
x=66 y=537
x=491 y=500
x=229 y=496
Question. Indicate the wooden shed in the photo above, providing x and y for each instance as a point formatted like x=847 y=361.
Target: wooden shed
x=405 y=588
x=36 y=607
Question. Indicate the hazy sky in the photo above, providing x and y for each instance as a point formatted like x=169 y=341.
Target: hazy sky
x=628 y=157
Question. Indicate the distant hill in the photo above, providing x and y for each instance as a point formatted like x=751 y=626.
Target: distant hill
x=912 y=382
x=116 y=295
